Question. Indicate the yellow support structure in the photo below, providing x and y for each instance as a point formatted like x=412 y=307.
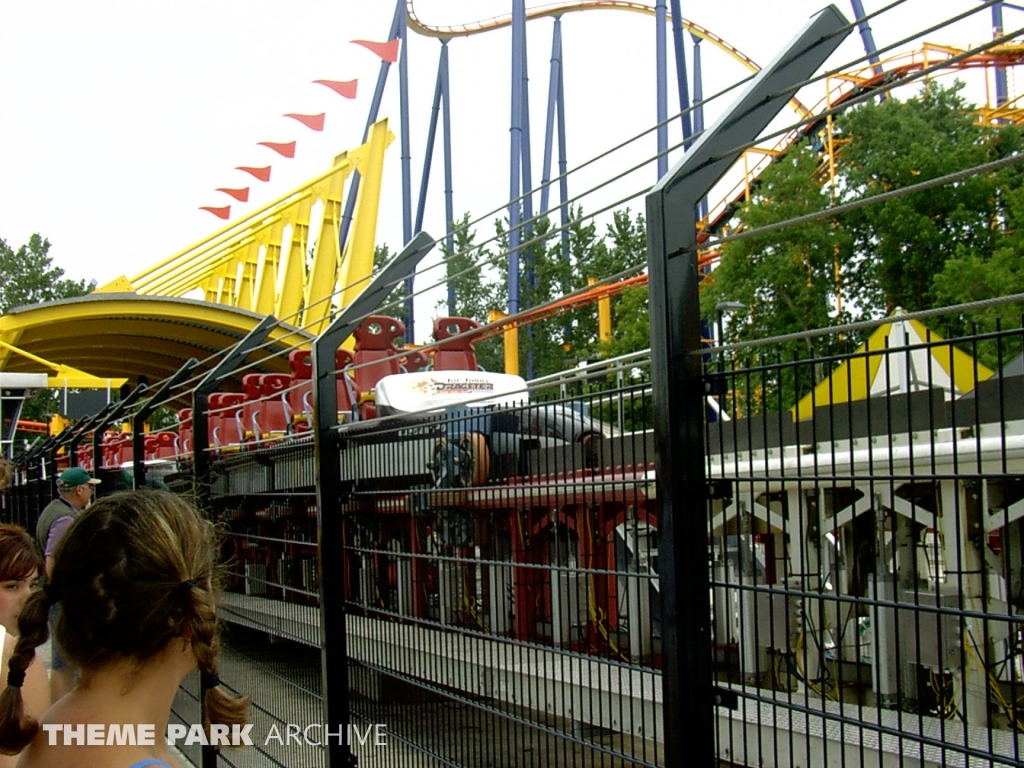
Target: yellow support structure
x=66 y=375
x=604 y=316
x=293 y=270
x=357 y=265
x=511 y=339
x=320 y=281
x=247 y=265
x=265 y=291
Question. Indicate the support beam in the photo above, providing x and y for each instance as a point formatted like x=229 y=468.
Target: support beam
x=378 y=94
x=563 y=166
x=516 y=154
x=449 y=203
x=158 y=398
x=201 y=440
x=661 y=84
x=681 y=80
x=554 y=74
x=997 y=31
x=678 y=387
x=698 y=112
x=330 y=491
x=406 y=160
x=869 y=39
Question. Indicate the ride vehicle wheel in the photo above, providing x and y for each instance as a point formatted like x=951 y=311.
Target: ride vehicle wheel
x=475 y=460
x=592 y=445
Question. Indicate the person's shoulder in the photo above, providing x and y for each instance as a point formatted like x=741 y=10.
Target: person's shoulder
x=57 y=505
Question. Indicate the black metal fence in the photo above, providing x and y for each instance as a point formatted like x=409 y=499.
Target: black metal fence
x=865 y=559
x=502 y=588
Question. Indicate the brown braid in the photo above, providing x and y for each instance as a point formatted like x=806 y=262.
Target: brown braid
x=221 y=707
x=16 y=728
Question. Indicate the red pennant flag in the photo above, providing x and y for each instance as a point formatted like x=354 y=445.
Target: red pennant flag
x=346 y=88
x=241 y=195
x=387 y=51
x=285 y=150
x=220 y=213
x=313 y=122
x=263 y=174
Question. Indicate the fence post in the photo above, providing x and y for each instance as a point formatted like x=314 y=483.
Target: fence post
x=201 y=441
x=100 y=427
x=144 y=412
x=330 y=490
x=679 y=392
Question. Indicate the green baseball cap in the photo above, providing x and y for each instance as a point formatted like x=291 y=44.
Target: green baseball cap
x=76 y=476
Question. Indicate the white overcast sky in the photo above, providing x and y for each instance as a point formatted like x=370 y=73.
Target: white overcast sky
x=121 y=118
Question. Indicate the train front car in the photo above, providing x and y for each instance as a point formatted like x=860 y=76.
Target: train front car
x=475 y=412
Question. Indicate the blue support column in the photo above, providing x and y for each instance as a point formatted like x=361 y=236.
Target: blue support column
x=563 y=161
x=449 y=204
x=378 y=94
x=428 y=154
x=680 y=49
x=527 y=186
x=403 y=109
x=865 y=35
x=698 y=111
x=549 y=125
x=661 y=84
x=1002 y=92
x=515 y=161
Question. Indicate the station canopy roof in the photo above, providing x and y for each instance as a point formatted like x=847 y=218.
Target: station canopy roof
x=125 y=335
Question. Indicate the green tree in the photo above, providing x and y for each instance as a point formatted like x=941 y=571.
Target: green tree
x=625 y=247
x=906 y=241
x=30 y=276
x=396 y=305
x=787 y=279
x=918 y=251
x=477 y=287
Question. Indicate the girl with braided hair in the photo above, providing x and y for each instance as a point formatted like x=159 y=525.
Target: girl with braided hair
x=20 y=566
x=135 y=579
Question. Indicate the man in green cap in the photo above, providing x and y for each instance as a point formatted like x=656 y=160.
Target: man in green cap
x=74 y=489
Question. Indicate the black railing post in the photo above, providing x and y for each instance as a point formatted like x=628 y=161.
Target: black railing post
x=678 y=387
x=47 y=488
x=103 y=420
x=144 y=412
x=77 y=432
x=201 y=441
x=329 y=491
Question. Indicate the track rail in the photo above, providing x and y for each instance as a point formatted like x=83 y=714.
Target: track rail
x=572 y=6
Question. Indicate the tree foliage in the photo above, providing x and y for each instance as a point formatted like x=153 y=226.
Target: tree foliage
x=954 y=243
x=30 y=277
x=552 y=264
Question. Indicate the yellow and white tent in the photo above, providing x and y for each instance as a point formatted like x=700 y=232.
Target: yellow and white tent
x=901 y=356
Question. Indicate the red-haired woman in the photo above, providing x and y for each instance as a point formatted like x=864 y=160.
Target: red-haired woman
x=20 y=567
